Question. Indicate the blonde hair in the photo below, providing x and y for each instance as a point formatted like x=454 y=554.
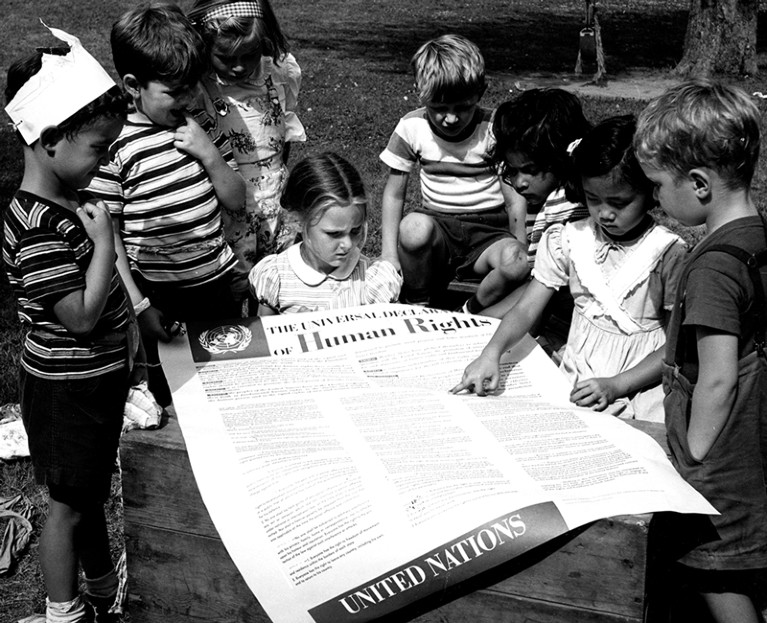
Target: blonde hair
x=448 y=69
x=318 y=182
x=701 y=123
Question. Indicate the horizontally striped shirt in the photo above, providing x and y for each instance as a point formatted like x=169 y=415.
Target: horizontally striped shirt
x=456 y=177
x=556 y=209
x=170 y=218
x=287 y=284
x=47 y=253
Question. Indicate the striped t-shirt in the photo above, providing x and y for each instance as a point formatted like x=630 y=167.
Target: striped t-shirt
x=47 y=253
x=170 y=217
x=556 y=209
x=456 y=177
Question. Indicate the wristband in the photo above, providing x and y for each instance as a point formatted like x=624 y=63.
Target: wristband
x=142 y=306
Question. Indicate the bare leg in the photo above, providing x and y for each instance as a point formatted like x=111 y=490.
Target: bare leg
x=504 y=264
x=731 y=608
x=502 y=307
x=418 y=250
x=58 y=556
x=92 y=542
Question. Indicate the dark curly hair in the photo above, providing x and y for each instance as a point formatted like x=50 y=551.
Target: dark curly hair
x=540 y=123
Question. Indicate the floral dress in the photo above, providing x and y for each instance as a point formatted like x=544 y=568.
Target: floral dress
x=258 y=117
x=621 y=291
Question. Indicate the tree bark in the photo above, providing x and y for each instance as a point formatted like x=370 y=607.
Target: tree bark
x=720 y=39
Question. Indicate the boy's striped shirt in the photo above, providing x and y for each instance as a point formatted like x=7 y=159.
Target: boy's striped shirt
x=170 y=217
x=456 y=177
x=47 y=253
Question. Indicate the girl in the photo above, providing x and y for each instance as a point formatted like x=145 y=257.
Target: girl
x=622 y=270
x=326 y=270
x=251 y=93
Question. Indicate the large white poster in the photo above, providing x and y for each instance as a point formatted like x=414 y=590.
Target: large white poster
x=346 y=482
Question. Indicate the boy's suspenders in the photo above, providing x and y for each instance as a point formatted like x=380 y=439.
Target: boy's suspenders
x=754 y=262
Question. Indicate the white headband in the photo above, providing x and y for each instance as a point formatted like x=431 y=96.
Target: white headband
x=64 y=85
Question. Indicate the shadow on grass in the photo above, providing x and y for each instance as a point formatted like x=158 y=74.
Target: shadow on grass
x=533 y=39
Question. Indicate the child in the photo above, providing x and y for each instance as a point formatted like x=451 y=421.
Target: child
x=80 y=333
x=466 y=227
x=699 y=144
x=167 y=183
x=621 y=269
x=326 y=270
x=251 y=96
x=533 y=132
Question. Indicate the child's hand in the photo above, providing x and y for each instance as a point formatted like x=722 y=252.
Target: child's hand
x=152 y=323
x=97 y=222
x=192 y=139
x=595 y=393
x=480 y=376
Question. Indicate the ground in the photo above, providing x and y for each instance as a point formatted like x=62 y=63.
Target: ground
x=634 y=84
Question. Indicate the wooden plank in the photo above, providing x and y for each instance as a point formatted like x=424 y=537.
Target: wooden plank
x=179 y=577
x=159 y=488
x=176 y=577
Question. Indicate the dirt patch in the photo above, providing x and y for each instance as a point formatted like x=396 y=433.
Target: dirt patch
x=638 y=85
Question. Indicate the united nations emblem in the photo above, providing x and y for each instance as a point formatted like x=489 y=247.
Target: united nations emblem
x=228 y=338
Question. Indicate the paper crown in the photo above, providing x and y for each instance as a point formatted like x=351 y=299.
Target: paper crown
x=63 y=86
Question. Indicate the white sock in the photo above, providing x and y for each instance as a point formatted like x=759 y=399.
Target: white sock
x=65 y=611
x=103 y=587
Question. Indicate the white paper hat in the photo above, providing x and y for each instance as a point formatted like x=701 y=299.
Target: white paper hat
x=63 y=86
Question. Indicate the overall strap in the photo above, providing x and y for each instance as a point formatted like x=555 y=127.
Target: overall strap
x=753 y=263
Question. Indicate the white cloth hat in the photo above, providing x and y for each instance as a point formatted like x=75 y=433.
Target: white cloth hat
x=64 y=85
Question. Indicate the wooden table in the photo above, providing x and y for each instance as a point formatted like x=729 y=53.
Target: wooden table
x=180 y=572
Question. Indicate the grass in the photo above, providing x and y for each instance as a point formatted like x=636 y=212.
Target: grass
x=355 y=60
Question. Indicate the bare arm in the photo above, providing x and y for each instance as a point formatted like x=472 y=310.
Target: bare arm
x=715 y=391
x=391 y=214
x=265 y=310
x=516 y=207
x=80 y=310
x=150 y=320
x=482 y=374
x=598 y=393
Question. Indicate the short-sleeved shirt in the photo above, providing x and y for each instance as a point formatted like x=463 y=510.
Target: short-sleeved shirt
x=287 y=284
x=170 y=217
x=719 y=290
x=456 y=176
x=47 y=253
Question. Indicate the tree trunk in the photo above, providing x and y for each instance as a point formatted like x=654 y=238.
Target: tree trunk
x=720 y=39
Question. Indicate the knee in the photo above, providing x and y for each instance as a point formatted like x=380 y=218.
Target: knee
x=416 y=232
x=512 y=261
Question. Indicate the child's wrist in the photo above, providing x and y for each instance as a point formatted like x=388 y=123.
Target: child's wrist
x=142 y=306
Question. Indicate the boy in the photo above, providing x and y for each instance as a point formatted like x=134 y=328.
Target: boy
x=468 y=227
x=699 y=144
x=168 y=183
x=80 y=331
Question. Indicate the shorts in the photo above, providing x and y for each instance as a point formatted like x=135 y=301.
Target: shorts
x=212 y=300
x=74 y=428
x=464 y=237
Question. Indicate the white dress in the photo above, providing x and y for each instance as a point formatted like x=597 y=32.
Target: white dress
x=621 y=293
x=258 y=117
